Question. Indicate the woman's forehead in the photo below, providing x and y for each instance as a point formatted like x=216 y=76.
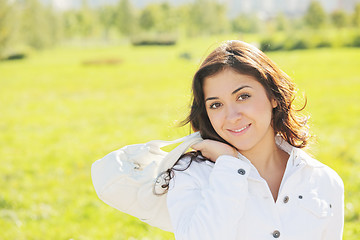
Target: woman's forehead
x=228 y=80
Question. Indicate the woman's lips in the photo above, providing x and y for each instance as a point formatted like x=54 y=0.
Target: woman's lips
x=239 y=130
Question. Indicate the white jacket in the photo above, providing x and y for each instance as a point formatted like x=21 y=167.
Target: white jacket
x=230 y=200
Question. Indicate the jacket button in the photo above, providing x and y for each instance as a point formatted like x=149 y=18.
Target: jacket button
x=276 y=234
x=286 y=199
x=241 y=171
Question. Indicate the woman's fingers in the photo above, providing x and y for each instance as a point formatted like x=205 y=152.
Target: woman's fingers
x=197 y=146
x=213 y=149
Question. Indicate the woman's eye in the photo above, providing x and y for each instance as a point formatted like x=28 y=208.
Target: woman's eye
x=243 y=96
x=215 y=105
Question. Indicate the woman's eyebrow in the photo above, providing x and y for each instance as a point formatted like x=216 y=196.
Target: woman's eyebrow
x=211 y=98
x=238 y=89
x=235 y=91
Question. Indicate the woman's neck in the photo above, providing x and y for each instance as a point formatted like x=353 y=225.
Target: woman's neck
x=270 y=161
x=266 y=155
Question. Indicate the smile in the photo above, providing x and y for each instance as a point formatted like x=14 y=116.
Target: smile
x=241 y=129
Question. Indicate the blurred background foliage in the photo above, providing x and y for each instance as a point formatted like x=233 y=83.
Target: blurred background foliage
x=33 y=24
x=79 y=82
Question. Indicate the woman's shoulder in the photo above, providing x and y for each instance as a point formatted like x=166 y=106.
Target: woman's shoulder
x=322 y=172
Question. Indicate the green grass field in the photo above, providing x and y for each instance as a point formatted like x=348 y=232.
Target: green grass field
x=59 y=115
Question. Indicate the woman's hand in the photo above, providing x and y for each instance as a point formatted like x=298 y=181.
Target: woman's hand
x=213 y=149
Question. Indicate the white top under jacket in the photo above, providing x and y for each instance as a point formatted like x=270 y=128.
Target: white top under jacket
x=230 y=200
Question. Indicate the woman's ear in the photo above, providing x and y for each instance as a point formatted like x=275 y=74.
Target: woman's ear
x=274 y=103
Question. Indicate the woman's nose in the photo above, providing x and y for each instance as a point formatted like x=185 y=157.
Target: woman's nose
x=233 y=113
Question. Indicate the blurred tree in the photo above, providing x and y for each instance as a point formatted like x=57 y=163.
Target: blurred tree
x=182 y=15
x=169 y=18
x=54 y=24
x=159 y=17
x=6 y=25
x=85 y=20
x=221 y=20
x=315 y=16
x=70 y=23
x=147 y=18
x=107 y=18
x=281 y=22
x=35 y=27
x=81 y=22
x=356 y=16
x=245 y=23
x=339 y=18
x=207 y=17
x=125 y=17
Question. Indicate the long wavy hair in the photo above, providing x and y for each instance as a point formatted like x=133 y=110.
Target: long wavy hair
x=248 y=60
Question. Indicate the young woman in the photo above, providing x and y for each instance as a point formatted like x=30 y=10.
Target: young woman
x=252 y=180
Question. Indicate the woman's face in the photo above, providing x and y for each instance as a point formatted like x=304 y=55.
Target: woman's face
x=239 y=109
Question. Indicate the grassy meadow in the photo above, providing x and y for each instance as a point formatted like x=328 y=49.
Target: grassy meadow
x=59 y=114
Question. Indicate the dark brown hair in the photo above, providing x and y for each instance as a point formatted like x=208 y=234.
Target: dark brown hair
x=247 y=59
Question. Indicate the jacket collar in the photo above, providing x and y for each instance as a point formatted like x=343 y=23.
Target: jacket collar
x=297 y=155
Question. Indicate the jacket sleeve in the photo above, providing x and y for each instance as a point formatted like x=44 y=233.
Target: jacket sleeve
x=208 y=211
x=335 y=229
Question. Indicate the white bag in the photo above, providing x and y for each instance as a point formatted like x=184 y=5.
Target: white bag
x=131 y=178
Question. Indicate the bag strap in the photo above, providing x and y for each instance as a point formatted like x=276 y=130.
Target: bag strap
x=172 y=157
x=162 y=143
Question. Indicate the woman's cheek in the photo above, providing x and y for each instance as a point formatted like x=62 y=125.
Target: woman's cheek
x=217 y=120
